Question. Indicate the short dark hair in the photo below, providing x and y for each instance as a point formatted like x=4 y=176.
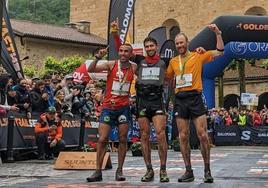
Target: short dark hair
x=127 y=44
x=184 y=35
x=47 y=77
x=150 y=39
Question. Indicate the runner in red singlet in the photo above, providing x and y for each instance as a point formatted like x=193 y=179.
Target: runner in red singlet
x=116 y=109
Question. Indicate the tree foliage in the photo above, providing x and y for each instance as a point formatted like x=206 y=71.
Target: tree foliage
x=54 y=66
x=40 y=11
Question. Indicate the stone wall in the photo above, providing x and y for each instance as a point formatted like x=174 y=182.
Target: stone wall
x=191 y=15
x=257 y=87
x=38 y=50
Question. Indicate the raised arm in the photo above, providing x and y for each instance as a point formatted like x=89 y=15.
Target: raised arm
x=115 y=32
x=220 y=45
x=94 y=67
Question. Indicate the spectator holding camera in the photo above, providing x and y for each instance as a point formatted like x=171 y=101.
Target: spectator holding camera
x=48 y=132
x=23 y=97
x=5 y=83
x=69 y=93
x=39 y=97
x=79 y=105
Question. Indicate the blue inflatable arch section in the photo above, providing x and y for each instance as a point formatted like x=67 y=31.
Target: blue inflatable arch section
x=250 y=31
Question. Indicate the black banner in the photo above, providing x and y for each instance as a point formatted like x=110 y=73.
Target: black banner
x=237 y=135
x=9 y=52
x=234 y=28
x=1 y=16
x=168 y=49
x=227 y=135
x=122 y=10
x=159 y=34
x=24 y=136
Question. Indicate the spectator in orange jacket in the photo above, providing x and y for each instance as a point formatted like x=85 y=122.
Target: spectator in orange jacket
x=48 y=132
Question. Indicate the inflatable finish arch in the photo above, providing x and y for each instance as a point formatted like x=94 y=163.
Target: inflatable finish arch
x=250 y=31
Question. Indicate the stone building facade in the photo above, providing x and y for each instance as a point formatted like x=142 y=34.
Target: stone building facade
x=189 y=16
x=38 y=41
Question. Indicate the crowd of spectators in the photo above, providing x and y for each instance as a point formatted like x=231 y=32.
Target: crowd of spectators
x=239 y=117
x=28 y=96
x=36 y=95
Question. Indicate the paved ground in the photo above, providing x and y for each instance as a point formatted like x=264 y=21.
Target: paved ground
x=236 y=167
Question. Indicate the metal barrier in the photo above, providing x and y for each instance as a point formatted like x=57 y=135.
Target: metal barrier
x=10 y=137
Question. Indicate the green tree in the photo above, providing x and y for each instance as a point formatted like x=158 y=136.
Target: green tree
x=63 y=67
x=52 y=66
x=40 y=11
x=239 y=64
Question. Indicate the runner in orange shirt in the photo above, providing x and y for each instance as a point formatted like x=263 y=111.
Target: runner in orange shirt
x=187 y=68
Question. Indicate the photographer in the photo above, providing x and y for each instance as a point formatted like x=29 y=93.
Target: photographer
x=69 y=93
x=39 y=97
x=79 y=105
x=48 y=132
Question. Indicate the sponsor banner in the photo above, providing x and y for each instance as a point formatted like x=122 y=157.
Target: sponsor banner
x=9 y=53
x=24 y=136
x=227 y=135
x=159 y=34
x=237 y=135
x=168 y=49
x=122 y=10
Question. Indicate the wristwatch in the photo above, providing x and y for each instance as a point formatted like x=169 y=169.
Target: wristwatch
x=219 y=33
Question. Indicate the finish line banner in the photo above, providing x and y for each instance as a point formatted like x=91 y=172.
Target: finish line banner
x=237 y=135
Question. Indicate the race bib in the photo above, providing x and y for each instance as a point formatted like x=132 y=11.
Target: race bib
x=184 y=81
x=150 y=73
x=120 y=89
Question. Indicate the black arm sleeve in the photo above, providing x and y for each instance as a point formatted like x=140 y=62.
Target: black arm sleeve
x=137 y=59
x=166 y=60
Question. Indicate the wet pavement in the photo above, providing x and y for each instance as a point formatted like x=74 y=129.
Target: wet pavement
x=235 y=167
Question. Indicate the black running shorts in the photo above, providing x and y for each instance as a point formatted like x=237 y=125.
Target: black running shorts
x=189 y=105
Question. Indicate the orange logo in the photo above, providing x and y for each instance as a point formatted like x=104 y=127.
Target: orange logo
x=253 y=27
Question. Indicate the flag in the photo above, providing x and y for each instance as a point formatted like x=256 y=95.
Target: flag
x=168 y=49
x=9 y=53
x=123 y=10
x=159 y=34
x=81 y=75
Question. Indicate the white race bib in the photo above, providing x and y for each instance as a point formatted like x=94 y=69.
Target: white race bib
x=184 y=81
x=150 y=73
x=120 y=89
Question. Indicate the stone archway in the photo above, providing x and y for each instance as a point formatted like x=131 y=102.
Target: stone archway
x=231 y=100
x=256 y=10
x=263 y=100
x=172 y=27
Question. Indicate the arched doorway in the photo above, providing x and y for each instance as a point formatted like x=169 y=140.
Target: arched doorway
x=263 y=100
x=257 y=11
x=231 y=100
x=172 y=27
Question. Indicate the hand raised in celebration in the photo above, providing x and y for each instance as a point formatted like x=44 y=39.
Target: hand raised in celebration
x=214 y=28
x=101 y=53
x=115 y=26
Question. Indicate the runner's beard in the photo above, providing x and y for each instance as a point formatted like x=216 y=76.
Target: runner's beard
x=151 y=53
x=182 y=51
x=123 y=59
